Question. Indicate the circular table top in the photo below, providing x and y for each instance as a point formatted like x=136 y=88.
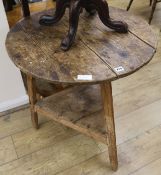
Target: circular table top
x=98 y=54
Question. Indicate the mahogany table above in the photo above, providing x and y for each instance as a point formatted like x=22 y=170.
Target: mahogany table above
x=98 y=51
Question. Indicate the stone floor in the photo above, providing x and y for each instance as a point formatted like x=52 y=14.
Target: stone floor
x=57 y=150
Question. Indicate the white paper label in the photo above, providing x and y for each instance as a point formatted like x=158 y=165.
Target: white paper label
x=119 y=69
x=84 y=77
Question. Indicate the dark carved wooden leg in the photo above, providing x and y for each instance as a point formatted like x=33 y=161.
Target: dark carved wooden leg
x=153 y=9
x=128 y=7
x=150 y=2
x=76 y=7
x=90 y=9
x=25 y=8
x=59 y=12
x=75 y=10
x=103 y=12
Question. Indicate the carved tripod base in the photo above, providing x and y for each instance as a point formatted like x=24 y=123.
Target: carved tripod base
x=75 y=8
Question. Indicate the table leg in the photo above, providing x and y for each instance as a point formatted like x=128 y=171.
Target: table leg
x=25 y=8
x=32 y=98
x=129 y=5
x=153 y=9
x=106 y=91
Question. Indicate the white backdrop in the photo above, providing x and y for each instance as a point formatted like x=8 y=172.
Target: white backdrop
x=12 y=92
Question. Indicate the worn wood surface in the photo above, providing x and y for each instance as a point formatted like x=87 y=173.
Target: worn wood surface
x=97 y=50
x=79 y=108
x=44 y=88
x=106 y=91
x=51 y=151
x=33 y=99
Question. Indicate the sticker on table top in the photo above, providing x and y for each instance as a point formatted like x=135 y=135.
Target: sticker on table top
x=84 y=77
x=119 y=69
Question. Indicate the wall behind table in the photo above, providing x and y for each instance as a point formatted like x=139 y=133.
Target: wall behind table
x=12 y=92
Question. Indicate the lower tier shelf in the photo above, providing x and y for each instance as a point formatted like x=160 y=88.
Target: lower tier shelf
x=80 y=108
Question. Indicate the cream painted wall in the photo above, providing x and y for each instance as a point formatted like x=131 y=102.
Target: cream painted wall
x=12 y=92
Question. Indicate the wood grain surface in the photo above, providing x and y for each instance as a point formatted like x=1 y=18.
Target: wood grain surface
x=79 y=107
x=97 y=51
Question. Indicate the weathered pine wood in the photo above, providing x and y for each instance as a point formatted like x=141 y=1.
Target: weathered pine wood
x=106 y=90
x=135 y=155
x=44 y=59
x=35 y=50
x=136 y=25
x=115 y=50
x=32 y=98
x=79 y=108
x=143 y=119
x=44 y=88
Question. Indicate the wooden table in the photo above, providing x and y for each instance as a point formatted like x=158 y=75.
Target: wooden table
x=98 y=57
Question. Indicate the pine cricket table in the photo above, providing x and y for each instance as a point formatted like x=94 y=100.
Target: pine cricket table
x=98 y=56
